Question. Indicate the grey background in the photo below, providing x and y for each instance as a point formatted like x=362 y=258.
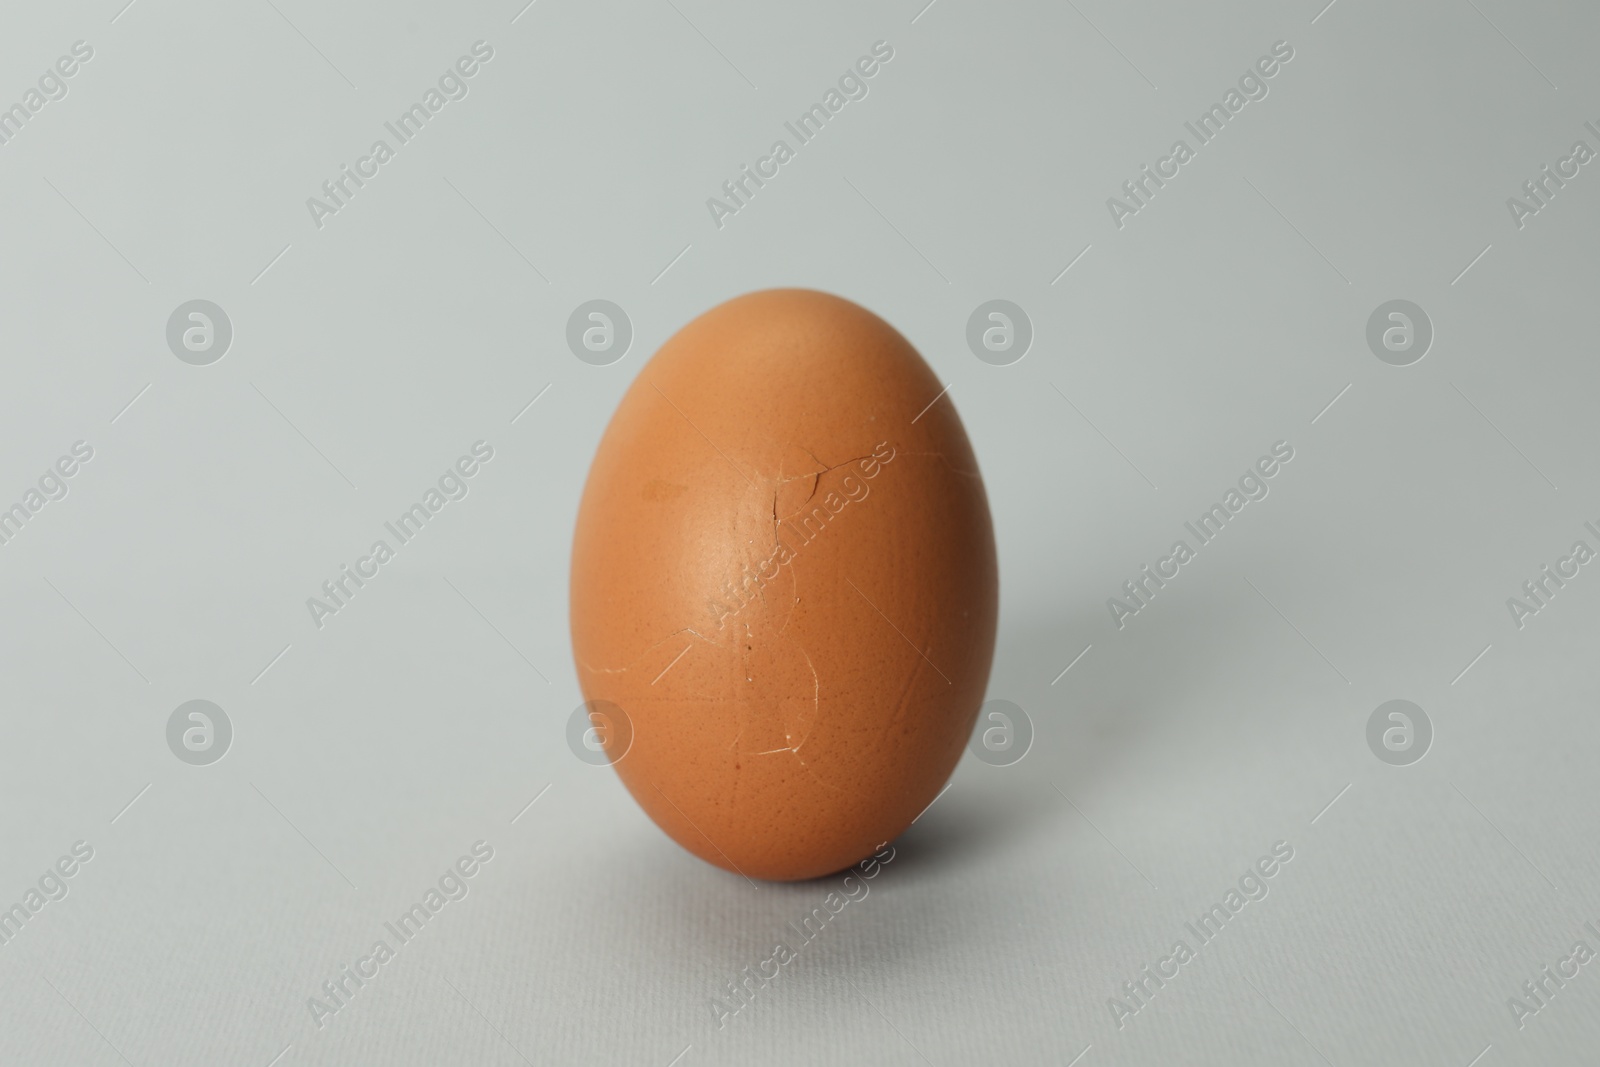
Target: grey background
x=369 y=354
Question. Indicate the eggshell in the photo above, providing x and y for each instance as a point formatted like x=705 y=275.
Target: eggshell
x=784 y=575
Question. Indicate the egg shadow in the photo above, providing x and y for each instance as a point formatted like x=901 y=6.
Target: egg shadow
x=1092 y=729
x=1090 y=726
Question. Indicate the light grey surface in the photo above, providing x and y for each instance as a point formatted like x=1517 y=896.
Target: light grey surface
x=368 y=354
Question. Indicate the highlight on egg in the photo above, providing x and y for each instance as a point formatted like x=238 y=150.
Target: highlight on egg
x=784 y=578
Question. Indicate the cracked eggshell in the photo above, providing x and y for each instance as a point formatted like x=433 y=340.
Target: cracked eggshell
x=785 y=577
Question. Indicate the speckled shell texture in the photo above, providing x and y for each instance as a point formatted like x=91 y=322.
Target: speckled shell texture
x=784 y=574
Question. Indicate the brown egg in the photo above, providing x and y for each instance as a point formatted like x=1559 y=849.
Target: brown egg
x=784 y=576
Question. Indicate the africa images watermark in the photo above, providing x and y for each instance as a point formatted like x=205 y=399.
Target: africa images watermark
x=452 y=485
x=52 y=887
x=52 y=486
x=1542 y=587
x=1252 y=86
x=813 y=517
x=1542 y=188
x=1537 y=992
x=1252 y=887
x=852 y=85
x=452 y=85
x=1252 y=486
x=453 y=885
x=52 y=85
x=741 y=991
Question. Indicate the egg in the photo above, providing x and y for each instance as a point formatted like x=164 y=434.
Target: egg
x=784 y=587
